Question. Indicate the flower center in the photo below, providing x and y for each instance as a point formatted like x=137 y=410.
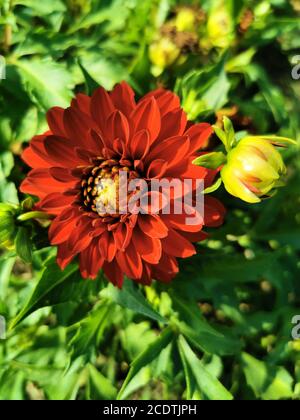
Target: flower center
x=100 y=187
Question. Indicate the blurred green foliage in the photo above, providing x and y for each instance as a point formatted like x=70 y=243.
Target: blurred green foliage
x=222 y=329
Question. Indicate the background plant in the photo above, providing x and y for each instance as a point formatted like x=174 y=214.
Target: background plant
x=222 y=330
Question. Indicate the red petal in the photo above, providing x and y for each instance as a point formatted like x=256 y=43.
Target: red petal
x=149 y=248
x=54 y=203
x=90 y=261
x=101 y=107
x=55 y=121
x=195 y=236
x=147 y=116
x=64 y=257
x=77 y=126
x=130 y=262
x=35 y=155
x=152 y=226
x=81 y=237
x=172 y=150
x=123 y=98
x=172 y=124
x=151 y=202
x=166 y=270
x=146 y=277
x=180 y=222
x=157 y=169
x=139 y=145
x=166 y=100
x=199 y=135
x=63 y=175
x=60 y=230
x=39 y=182
x=114 y=273
x=33 y=160
x=177 y=246
x=82 y=103
x=214 y=212
x=61 y=153
x=107 y=246
x=117 y=127
x=122 y=235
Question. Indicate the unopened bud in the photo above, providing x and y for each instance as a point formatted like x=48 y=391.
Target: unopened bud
x=220 y=25
x=185 y=20
x=163 y=53
x=7 y=225
x=253 y=170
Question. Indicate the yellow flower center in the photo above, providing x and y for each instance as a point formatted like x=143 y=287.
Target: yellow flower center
x=100 y=188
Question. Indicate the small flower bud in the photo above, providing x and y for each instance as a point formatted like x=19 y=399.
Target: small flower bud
x=186 y=20
x=220 y=25
x=7 y=225
x=163 y=53
x=253 y=169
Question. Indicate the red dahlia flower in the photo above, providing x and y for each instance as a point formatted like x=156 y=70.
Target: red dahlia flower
x=92 y=140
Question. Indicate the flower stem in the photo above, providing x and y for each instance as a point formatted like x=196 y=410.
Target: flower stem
x=7 y=29
x=7 y=37
x=33 y=215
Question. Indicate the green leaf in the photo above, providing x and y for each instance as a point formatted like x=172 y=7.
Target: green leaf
x=214 y=187
x=47 y=83
x=194 y=327
x=212 y=160
x=90 y=330
x=270 y=92
x=209 y=386
x=6 y=164
x=227 y=136
x=56 y=287
x=43 y=8
x=105 y=71
x=130 y=297
x=146 y=357
x=192 y=389
x=6 y=266
x=23 y=244
x=235 y=266
x=229 y=130
x=91 y=84
x=204 y=91
x=267 y=382
x=238 y=63
x=52 y=277
x=99 y=387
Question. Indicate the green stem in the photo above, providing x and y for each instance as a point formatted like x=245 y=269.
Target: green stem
x=7 y=30
x=33 y=215
x=7 y=37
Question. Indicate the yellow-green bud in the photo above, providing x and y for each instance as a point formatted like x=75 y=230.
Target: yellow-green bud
x=253 y=169
x=185 y=20
x=7 y=225
x=220 y=25
x=162 y=54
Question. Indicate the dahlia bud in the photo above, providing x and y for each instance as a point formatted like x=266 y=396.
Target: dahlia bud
x=186 y=20
x=15 y=227
x=7 y=225
x=220 y=25
x=163 y=53
x=253 y=170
